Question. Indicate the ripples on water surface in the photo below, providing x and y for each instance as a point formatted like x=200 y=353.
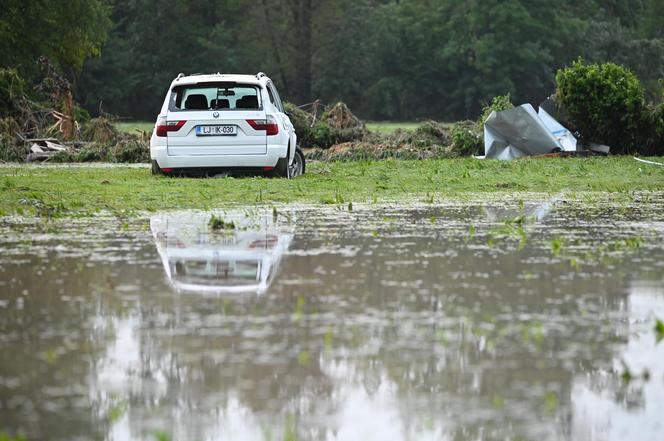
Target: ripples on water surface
x=465 y=321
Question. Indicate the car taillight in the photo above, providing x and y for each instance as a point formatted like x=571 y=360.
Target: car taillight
x=269 y=125
x=163 y=126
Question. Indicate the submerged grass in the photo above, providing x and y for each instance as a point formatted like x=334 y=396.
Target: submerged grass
x=62 y=191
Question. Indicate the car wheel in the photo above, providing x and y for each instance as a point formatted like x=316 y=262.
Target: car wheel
x=281 y=169
x=156 y=170
x=297 y=167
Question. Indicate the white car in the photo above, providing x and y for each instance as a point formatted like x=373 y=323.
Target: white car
x=198 y=259
x=218 y=123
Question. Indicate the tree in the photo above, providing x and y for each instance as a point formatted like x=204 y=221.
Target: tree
x=138 y=63
x=65 y=32
x=407 y=59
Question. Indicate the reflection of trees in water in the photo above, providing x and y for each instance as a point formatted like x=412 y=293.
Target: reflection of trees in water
x=492 y=335
x=51 y=346
x=456 y=332
x=213 y=350
x=478 y=326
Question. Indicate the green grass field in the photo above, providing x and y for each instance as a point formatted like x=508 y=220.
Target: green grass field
x=133 y=126
x=82 y=190
x=382 y=127
x=387 y=127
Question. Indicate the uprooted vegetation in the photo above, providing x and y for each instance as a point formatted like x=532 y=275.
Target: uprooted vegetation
x=323 y=127
x=340 y=135
x=45 y=124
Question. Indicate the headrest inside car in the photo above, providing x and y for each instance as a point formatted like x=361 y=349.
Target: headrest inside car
x=247 y=102
x=196 y=102
x=221 y=103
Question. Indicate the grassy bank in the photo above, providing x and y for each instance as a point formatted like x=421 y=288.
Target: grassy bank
x=51 y=191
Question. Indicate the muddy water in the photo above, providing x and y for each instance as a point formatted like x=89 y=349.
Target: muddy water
x=464 y=321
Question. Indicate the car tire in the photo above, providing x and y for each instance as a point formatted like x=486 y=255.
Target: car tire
x=156 y=170
x=281 y=169
x=297 y=167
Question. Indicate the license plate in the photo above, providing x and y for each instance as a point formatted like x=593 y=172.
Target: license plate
x=216 y=130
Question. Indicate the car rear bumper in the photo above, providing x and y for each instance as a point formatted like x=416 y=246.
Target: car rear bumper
x=164 y=160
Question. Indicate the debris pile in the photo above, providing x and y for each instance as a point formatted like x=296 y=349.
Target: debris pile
x=518 y=132
x=322 y=127
x=430 y=140
x=98 y=140
x=52 y=128
x=521 y=131
x=339 y=117
x=43 y=149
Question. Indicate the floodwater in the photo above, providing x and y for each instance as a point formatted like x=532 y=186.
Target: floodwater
x=503 y=320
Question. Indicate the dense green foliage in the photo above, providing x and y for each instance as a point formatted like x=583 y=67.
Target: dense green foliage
x=409 y=59
x=12 y=88
x=53 y=191
x=387 y=59
x=66 y=32
x=606 y=104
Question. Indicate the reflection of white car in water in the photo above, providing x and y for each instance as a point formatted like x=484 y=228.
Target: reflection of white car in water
x=197 y=258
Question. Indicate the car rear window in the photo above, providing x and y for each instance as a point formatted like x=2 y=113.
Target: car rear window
x=215 y=96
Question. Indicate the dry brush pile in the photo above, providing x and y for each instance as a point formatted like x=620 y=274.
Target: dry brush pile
x=45 y=124
x=337 y=134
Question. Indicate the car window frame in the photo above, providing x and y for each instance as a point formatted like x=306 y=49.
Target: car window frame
x=209 y=84
x=275 y=95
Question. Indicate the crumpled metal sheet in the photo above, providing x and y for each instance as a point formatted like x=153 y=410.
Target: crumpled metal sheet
x=518 y=132
x=562 y=134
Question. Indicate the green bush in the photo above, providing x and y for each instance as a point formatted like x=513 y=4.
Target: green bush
x=498 y=104
x=81 y=115
x=606 y=104
x=12 y=91
x=466 y=139
x=652 y=134
x=301 y=121
x=11 y=149
x=320 y=135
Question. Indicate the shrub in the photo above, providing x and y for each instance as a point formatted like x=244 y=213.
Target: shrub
x=301 y=121
x=466 y=139
x=12 y=91
x=11 y=149
x=498 y=104
x=606 y=104
x=652 y=139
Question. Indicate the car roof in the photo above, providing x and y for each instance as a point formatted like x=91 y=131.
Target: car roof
x=236 y=78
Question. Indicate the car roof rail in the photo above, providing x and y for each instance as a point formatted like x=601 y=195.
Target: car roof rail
x=180 y=75
x=260 y=74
